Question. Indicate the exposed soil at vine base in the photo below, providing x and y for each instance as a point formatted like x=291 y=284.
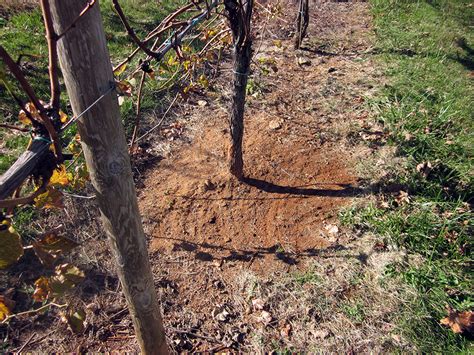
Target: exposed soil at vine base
x=274 y=215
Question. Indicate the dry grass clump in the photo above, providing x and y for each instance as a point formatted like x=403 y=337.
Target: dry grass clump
x=13 y=6
x=340 y=304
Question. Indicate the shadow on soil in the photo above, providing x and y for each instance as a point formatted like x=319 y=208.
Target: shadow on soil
x=250 y=255
x=346 y=190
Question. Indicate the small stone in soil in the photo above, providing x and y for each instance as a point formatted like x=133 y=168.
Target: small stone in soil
x=303 y=61
x=275 y=124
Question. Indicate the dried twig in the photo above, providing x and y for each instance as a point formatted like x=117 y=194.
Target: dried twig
x=161 y=121
x=33 y=311
x=51 y=38
x=26 y=343
x=220 y=33
x=138 y=109
x=16 y=128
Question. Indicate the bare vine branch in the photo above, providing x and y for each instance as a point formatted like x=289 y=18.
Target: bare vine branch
x=15 y=128
x=131 y=32
x=45 y=120
x=52 y=39
x=18 y=74
x=14 y=202
x=138 y=109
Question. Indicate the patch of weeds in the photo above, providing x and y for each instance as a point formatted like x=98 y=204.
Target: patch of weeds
x=23 y=218
x=254 y=88
x=354 y=311
x=426 y=47
x=307 y=277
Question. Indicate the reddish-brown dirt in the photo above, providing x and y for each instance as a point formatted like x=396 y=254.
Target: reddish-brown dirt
x=298 y=173
x=291 y=192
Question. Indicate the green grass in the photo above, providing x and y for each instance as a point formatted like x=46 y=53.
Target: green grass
x=427 y=106
x=23 y=33
x=354 y=311
x=306 y=277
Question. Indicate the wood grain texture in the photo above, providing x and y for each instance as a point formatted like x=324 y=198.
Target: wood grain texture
x=87 y=74
x=23 y=167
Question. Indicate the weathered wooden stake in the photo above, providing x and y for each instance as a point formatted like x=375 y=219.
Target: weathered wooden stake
x=239 y=13
x=88 y=74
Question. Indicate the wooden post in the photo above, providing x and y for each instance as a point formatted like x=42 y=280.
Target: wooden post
x=88 y=74
x=302 y=21
x=23 y=167
x=239 y=15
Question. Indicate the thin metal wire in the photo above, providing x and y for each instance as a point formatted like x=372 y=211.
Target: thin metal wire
x=239 y=73
x=74 y=119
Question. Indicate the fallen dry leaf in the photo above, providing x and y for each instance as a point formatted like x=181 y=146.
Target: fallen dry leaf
x=285 y=330
x=76 y=320
x=11 y=248
x=402 y=197
x=332 y=229
x=459 y=322
x=275 y=124
x=265 y=318
x=322 y=333
x=258 y=304
x=424 y=168
x=6 y=306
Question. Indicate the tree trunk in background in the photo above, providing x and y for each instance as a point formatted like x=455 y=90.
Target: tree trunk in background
x=88 y=74
x=302 y=21
x=239 y=14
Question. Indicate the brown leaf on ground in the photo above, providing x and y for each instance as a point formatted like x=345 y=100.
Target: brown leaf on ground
x=459 y=322
x=265 y=318
x=67 y=276
x=402 y=198
x=424 y=168
x=285 y=330
x=50 y=246
x=258 y=304
x=52 y=198
x=42 y=289
x=75 y=319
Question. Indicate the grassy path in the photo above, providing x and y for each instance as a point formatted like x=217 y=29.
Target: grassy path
x=427 y=108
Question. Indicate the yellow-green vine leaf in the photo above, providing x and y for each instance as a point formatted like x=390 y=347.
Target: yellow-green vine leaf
x=6 y=307
x=75 y=319
x=11 y=249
